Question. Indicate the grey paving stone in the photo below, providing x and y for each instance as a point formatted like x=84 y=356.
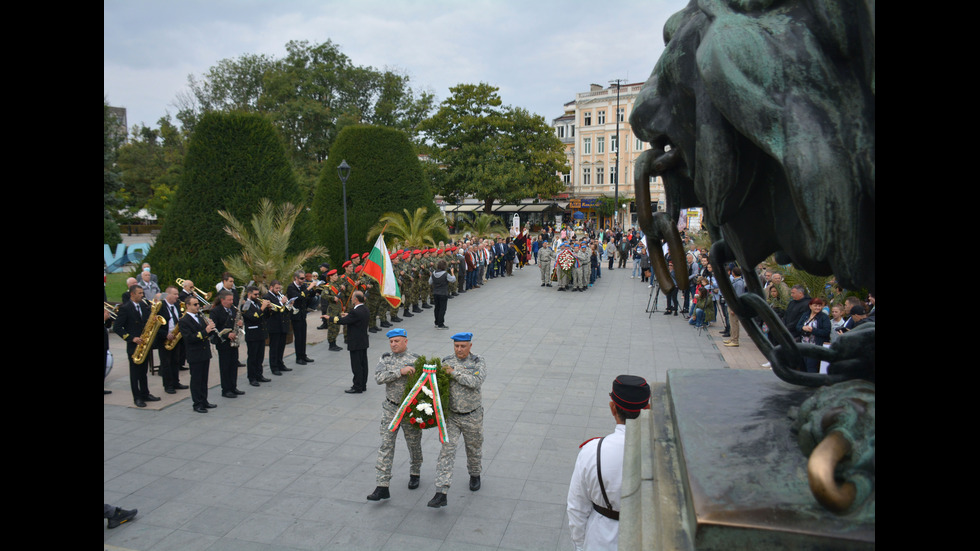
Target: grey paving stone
x=287 y=466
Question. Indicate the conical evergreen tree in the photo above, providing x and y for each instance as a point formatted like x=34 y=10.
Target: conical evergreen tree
x=233 y=161
x=385 y=177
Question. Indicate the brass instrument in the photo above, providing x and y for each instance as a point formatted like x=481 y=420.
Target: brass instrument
x=113 y=310
x=238 y=329
x=170 y=345
x=173 y=344
x=199 y=294
x=149 y=333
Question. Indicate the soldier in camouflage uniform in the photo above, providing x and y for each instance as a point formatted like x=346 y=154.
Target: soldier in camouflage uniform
x=546 y=255
x=468 y=371
x=333 y=301
x=392 y=371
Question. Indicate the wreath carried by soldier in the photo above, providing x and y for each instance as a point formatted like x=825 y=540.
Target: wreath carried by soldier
x=425 y=391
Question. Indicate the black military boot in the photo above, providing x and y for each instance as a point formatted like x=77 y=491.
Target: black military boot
x=439 y=500
x=379 y=493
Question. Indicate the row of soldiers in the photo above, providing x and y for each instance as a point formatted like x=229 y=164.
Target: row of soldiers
x=411 y=267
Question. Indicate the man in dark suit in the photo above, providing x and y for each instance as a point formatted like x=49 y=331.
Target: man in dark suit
x=168 y=358
x=195 y=331
x=255 y=311
x=223 y=314
x=278 y=324
x=302 y=292
x=357 y=341
x=129 y=325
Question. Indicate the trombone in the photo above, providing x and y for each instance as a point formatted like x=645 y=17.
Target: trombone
x=112 y=309
x=199 y=294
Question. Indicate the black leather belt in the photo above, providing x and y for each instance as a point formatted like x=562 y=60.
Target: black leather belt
x=608 y=513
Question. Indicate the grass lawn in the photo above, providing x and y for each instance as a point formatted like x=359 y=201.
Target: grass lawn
x=115 y=286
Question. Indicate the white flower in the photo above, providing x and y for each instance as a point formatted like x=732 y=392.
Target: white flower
x=418 y=420
x=426 y=391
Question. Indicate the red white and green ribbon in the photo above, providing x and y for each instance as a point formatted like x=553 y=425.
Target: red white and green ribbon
x=422 y=406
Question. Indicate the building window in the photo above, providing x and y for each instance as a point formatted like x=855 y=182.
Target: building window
x=621 y=114
x=587 y=121
x=600 y=145
x=612 y=174
x=639 y=144
x=613 y=143
x=598 y=175
x=586 y=176
x=572 y=135
x=601 y=117
x=586 y=146
x=561 y=131
x=567 y=179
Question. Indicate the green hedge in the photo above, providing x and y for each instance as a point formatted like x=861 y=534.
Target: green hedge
x=233 y=160
x=385 y=176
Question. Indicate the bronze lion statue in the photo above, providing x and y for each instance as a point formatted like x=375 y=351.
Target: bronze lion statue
x=763 y=113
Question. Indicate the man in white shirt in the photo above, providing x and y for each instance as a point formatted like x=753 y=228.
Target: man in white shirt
x=594 y=492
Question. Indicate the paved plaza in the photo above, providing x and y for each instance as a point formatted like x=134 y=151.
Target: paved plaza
x=288 y=465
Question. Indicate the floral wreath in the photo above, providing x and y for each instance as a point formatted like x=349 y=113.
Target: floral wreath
x=422 y=406
x=566 y=260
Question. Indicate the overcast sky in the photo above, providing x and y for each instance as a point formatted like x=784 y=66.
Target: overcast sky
x=538 y=52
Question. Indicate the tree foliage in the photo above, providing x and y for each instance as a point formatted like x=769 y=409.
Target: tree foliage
x=484 y=225
x=151 y=165
x=264 y=247
x=419 y=229
x=311 y=94
x=385 y=176
x=492 y=152
x=111 y=182
x=607 y=205
x=233 y=161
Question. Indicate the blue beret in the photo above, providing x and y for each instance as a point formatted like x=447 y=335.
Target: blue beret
x=396 y=333
x=465 y=337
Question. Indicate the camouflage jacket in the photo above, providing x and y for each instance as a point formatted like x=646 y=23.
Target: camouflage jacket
x=388 y=373
x=467 y=378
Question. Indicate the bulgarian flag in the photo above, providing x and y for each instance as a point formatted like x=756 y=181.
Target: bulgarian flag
x=378 y=268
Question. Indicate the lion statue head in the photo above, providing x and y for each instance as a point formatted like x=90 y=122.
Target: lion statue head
x=763 y=113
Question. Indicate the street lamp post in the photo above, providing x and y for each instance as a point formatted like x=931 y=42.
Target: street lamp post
x=344 y=172
x=618 y=82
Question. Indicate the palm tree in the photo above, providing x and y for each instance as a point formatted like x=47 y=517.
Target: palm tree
x=264 y=255
x=411 y=230
x=483 y=225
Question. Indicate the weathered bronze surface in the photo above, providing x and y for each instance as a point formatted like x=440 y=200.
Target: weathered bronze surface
x=763 y=113
x=745 y=479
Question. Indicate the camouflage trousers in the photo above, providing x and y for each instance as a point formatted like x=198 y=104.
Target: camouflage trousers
x=333 y=329
x=471 y=427
x=546 y=272
x=386 y=453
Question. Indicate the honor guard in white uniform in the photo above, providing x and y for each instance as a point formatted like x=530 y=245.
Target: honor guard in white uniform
x=595 y=490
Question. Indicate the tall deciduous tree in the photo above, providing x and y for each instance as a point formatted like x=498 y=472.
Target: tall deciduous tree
x=491 y=152
x=112 y=182
x=311 y=94
x=151 y=164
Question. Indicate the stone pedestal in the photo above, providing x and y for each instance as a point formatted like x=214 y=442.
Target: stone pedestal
x=713 y=465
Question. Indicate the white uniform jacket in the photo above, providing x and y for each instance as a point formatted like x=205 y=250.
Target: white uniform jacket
x=590 y=530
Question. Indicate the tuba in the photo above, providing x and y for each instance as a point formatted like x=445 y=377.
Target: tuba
x=149 y=333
